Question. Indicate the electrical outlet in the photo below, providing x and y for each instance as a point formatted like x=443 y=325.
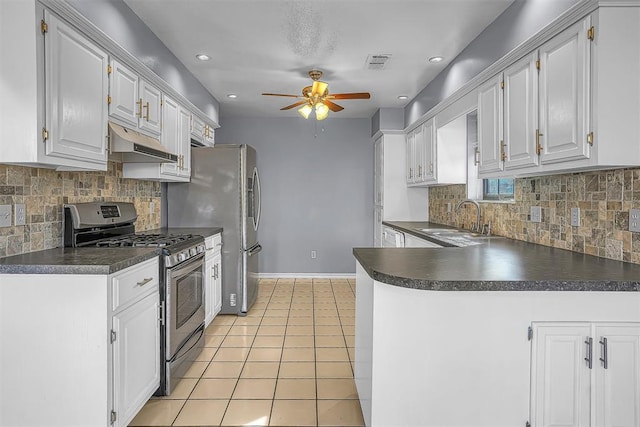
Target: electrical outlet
x=5 y=215
x=448 y=207
x=20 y=214
x=634 y=220
x=313 y=254
x=575 y=217
x=536 y=214
x=152 y=207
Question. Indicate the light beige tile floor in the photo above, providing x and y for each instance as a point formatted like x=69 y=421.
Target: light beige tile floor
x=289 y=362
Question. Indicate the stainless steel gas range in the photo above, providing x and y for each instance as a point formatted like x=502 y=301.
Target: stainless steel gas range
x=111 y=224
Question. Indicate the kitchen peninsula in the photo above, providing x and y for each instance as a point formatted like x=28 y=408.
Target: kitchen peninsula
x=483 y=335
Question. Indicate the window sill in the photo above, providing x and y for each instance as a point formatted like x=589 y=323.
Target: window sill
x=500 y=202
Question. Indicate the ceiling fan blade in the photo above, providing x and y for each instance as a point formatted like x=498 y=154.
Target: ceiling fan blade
x=282 y=94
x=288 y=107
x=356 y=95
x=319 y=88
x=332 y=106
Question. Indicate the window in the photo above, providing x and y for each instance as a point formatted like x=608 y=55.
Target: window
x=497 y=189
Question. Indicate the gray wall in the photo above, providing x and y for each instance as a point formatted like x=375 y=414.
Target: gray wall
x=119 y=22
x=317 y=193
x=517 y=23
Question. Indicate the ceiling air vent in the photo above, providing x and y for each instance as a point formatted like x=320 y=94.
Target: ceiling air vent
x=377 y=62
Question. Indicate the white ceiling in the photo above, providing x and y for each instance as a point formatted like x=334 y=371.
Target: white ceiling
x=269 y=46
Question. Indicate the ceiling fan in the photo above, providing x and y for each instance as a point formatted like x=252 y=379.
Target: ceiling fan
x=317 y=97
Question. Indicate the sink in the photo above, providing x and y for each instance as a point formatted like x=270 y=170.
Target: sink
x=438 y=230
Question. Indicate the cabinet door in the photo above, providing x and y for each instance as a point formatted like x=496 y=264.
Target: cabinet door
x=76 y=91
x=560 y=376
x=151 y=109
x=429 y=152
x=123 y=88
x=209 y=295
x=418 y=160
x=410 y=164
x=217 y=282
x=184 y=142
x=197 y=128
x=617 y=386
x=490 y=126
x=169 y=137
x=564 y=95
x=136 y=357
x=378 y=172
x=521 y=113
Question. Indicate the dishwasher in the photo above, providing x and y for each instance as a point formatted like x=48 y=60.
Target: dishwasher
x=392 y=238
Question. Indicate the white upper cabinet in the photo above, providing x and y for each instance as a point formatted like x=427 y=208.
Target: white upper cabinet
x=490 y=140
x=201 y=131
x=134 y=102
x=566 y=104
x=54 y=91
x=439 y=155
x=75 y=95
x=520 y=113
x=564 y=95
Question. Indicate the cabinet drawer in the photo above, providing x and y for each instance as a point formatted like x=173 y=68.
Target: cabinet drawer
x=213 y=242
x=131 y=284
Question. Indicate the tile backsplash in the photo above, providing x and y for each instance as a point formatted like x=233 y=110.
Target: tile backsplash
x=44 y=191
x=604 y=199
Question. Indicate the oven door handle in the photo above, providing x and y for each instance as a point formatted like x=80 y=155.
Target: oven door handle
x=181 y=352
x=179 y=271
x=254 y=249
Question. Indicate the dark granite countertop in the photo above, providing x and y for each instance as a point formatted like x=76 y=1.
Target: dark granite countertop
x=89 y=260
x=499 y=264
x=76 y=260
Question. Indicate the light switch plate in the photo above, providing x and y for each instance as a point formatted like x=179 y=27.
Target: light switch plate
x=536 y=214
x=5 y=215
x=634 y=220
x=20 y=214
x=575 y=217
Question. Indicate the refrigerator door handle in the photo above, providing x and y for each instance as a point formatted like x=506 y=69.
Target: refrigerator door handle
x=257 y=202
x=254 y=249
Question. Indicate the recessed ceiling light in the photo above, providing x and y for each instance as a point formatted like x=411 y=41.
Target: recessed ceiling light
x=232 y=96
x=436 y=59
x=203 y=57
x=403 y=97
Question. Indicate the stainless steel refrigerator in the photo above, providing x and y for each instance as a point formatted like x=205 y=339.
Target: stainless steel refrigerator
x=224 y=192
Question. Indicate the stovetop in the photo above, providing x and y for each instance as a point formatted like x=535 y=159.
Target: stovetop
x=147 y=240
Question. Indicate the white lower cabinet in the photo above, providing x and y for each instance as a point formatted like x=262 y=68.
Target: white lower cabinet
x=213 y=277
x=85 y=351
x=136 y=359
x=585 y=374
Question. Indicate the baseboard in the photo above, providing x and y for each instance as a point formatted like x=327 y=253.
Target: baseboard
x=306 y=275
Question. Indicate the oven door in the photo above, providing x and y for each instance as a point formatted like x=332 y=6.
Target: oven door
x=185 y=294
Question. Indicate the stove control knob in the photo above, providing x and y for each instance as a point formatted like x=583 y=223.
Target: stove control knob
x=182 y=256
x=193 y=251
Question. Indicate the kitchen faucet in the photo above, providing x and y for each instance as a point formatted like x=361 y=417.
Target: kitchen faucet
x=478 y=228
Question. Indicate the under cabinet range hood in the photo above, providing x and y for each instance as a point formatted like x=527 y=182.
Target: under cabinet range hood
x=129 y=146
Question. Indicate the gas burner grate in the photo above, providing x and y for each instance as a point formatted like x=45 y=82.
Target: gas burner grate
x=145 y=240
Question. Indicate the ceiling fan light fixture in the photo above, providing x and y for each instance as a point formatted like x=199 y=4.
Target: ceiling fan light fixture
x=305 y=111
x=322 y=111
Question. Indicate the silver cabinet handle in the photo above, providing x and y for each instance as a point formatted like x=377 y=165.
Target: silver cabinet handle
x=144 y=281
x=605 y=358
x=589 y=358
